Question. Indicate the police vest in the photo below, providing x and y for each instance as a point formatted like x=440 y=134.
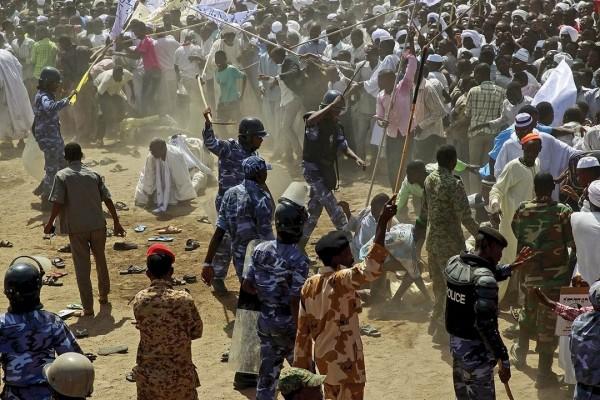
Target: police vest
x=460 y=298
x=323 y=150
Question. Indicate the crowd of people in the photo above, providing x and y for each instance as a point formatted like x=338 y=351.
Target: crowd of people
x=481 y=118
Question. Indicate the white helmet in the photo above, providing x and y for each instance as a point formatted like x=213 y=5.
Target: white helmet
x=71 y=374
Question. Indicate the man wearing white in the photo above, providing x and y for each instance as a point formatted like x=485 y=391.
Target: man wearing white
x=514 y=186
x=187 y=67
x=16 y=115
x=554 y=157
x=172 y=174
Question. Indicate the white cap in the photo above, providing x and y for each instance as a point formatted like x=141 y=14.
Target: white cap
x=41 y=18
x=522 y=55
x=331 y=17
x=435 y=58
x=587 y=162
x=293 y=25
x=523 y=120
x=594 y=193
x=401 y=32
x=378 y=9
x=563 y=6
x=247 y=25
x=276 y=27
x=380 y=34
x=520 y=13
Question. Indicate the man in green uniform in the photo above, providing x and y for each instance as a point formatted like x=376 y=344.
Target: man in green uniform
x=543 y=225
x=445 y=208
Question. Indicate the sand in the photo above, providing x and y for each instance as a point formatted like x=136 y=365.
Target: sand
x=402 y=364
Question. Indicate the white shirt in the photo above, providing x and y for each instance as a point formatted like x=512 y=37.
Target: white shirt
x=389 y=62
x=332 y=51
x=187 y=69
x=105 y=83
x=586 y=232
x=165 y=48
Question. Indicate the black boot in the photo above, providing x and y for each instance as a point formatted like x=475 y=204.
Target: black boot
x=243 y=380
x=545 y=376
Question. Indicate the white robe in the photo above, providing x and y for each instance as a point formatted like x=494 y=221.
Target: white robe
x=16 y=114
x=169 y=180
x=554 y=157
x=586 y=233
x=514 y=185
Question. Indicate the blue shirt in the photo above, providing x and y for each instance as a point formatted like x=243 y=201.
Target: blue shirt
x=46 y=122
x=246 y=214
x=313 y=47
x=585 y=348
x=29 y=341
x=278 y=271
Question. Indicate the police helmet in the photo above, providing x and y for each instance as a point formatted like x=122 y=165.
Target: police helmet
x=289 y=220
x=71 y=375
x=251 y=126
x=329 y=97
x=50 y=75
x=22 y=285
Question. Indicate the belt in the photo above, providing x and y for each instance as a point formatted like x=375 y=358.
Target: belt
x=589 y=388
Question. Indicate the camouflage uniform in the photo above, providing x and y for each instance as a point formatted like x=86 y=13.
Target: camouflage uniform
x=445 y=206
x=246 y=214
x=585 y=354
x=328 y=318
x=30 y=341
x=278 y=271
x=168 y=321
x=320 y=195
x=545 y=227
x=46 y=131
x=230 y=154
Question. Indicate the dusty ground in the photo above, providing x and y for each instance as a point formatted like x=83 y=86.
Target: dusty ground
x=402 y=364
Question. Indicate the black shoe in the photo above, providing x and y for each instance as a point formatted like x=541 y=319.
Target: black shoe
x=546 y=379
x=243 y=381
x=219 y=287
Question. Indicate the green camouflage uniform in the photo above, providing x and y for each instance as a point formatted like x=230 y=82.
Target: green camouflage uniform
x=545 y=227
x=445 y=207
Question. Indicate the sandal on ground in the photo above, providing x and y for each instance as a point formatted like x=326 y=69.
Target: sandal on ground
x=160 y=239
x=58 y=262
x=118 y=168
x=190 y=278
x=191 y=244
x=140 y=228
x=203 y=220
x=5 y=243
x=123 y=246
x=65 y=249
x=129 y=377
x=109 y=232
x=120 y=206
x=177 y=282
x=169 y=230
x=81 y=333
x=107 y=160
x=368 y=330
x=120 y=349
x=132 y=269
x=74 y=306
x=51 y=281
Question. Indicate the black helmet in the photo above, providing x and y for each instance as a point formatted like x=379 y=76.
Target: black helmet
x=50 y=75
x=329 y=97
x=289 y=220
x=251 y=126
x=22 y=285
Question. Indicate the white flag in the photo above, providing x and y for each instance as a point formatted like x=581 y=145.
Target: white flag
x=429 y=3
x=220 y=4
x=219 y=16
x=558 y=90
x=124 y=11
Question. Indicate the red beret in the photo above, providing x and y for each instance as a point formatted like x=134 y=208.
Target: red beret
x=159 y=248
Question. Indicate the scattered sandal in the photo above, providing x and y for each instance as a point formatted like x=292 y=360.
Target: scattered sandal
x=51 y=281
x=190 y=278
x=5 y=243
x=368 y=330
x=118 y=168
x=203 y=220
x=160 y=239
x=140 y=228
x=120 y=206
x=58 y=262
x=109 y=232
x=81 y=333
x=177 y=282
x=65 y=249
x=169 y=230
x=129 y=377
x=225 y=357
x=132 y=269
x=75 y=306
x=105 y=351
x=106 y=161
x=191 y=244
x=123 y=246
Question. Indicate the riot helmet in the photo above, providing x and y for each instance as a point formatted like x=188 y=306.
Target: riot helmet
x=71 y=375
x=290 y=214
x=329 y=97
x=251 y=132
x=50 y=75
x=23 y=283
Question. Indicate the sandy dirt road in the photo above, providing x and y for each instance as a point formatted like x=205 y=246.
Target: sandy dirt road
x=402 y=364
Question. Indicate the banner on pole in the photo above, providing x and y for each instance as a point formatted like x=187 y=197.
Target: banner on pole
x=219 y=16
x=124 y=11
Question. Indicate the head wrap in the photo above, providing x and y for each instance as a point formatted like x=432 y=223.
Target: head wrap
x=380 y=34
x=378 y=9
x=587 y=162
x=562 y=5
x=461 y=9
x=529 y=137
x=522 y=55
x=594 y=193
x=474 y=35
x=276 y=27
x=523 y=120
x=433 y=16
x=569 y=30
x=559 y=57
x=435 y=58
x=520 y=13
x=331 y=17
x=293 y=25
x=401 y=32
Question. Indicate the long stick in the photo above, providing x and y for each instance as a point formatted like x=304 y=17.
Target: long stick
x=409 y=134
x=387 y=115
x=508 y=391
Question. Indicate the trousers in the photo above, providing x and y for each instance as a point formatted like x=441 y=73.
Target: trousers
x=150 y=85
x=318 y=197
x=479 y=146
x=276 y=346
x=437 y=263
x=393 y=155
x=539 y=321
x=472 y=369
x=81 y=245
x=38 y=392
x=584 y=394
x=54 y=161
x=349 y=391
x=290 y=138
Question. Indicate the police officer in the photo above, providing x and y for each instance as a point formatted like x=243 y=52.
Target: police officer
x=276 y=274
x=70 y=376
x=30 y=336
x=230 y=153
x=323 y=138
x=46 y=129
x=472 y=315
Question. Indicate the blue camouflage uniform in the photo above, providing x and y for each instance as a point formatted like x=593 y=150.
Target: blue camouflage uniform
x=46 y=131
x=28 y=342
x=321 y=144
x=230 y=154
x=246 y=213
x=585 y=349
x=278 y=272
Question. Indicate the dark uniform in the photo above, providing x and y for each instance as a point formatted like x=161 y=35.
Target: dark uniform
x=472 y=322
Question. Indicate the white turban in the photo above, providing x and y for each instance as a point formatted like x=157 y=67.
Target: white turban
x=378 y=9
x=380 y=34
x=594 y=193
x=276 y=27
x=563 y=6
x=434 y=16
x=293 y=25
x=569 y=30
x=474 y=35
x=461 y=9
x=520 y=13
